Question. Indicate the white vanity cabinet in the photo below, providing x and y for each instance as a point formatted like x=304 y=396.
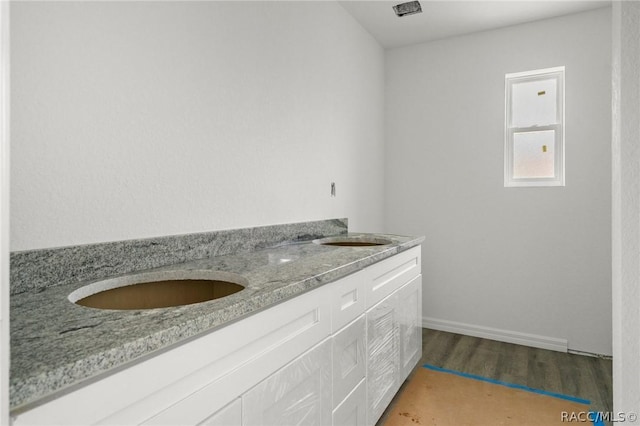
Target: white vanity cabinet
x=334 y=355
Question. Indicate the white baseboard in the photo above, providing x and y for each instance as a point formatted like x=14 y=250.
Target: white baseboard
x=591 y=354
x=533 y=340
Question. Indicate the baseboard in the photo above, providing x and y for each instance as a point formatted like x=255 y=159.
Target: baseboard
x=591 y=354
x=508 y=336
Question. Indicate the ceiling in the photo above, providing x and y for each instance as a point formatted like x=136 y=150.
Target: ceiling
x=441 y=19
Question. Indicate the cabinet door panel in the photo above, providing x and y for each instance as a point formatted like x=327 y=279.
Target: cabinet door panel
x=383 y=369
x=298 y=394
x=410 y=325
x=348 y=359
x=353 y=410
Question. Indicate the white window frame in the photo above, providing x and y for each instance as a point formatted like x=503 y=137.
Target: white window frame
x=558 y=179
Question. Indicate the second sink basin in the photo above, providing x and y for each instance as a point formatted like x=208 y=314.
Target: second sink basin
x=353 y=241
x=158 y=290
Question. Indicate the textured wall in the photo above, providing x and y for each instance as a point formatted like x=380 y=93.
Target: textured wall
x=143 y=119
x=513 y=262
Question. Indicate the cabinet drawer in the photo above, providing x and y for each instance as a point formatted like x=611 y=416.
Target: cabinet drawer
x=270 y=338
x=353 y=410
x=348 y=359
x=347 y=300
x=387 y=276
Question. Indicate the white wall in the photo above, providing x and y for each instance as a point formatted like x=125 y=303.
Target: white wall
x=504 y=262
x=626 y=207
x=139 y=119
x=4 y=213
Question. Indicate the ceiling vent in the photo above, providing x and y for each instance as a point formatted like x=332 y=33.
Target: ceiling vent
x=408 y=8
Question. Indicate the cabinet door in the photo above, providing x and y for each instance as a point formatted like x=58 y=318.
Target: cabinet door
x=410 y=325
x=298 y=394
x=353 y=410
x=348 y=359
x=231 y=415
x=383 y=357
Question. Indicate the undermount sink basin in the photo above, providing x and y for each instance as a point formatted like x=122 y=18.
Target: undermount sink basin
x=158 y=290
x=353 y=241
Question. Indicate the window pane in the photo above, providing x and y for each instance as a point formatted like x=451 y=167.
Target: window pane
x=534 y=103
x=533 y=154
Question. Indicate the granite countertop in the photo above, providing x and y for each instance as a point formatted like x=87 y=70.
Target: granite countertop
x=57 y=345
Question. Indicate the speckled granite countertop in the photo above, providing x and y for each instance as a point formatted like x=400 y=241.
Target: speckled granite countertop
x=57 y=345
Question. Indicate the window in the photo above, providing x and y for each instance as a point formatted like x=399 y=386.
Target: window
x=534 y=134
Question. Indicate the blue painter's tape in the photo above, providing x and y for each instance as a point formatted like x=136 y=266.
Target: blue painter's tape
x=510 y=385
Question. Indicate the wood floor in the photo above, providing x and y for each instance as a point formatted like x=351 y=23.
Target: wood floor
x=576 y=375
